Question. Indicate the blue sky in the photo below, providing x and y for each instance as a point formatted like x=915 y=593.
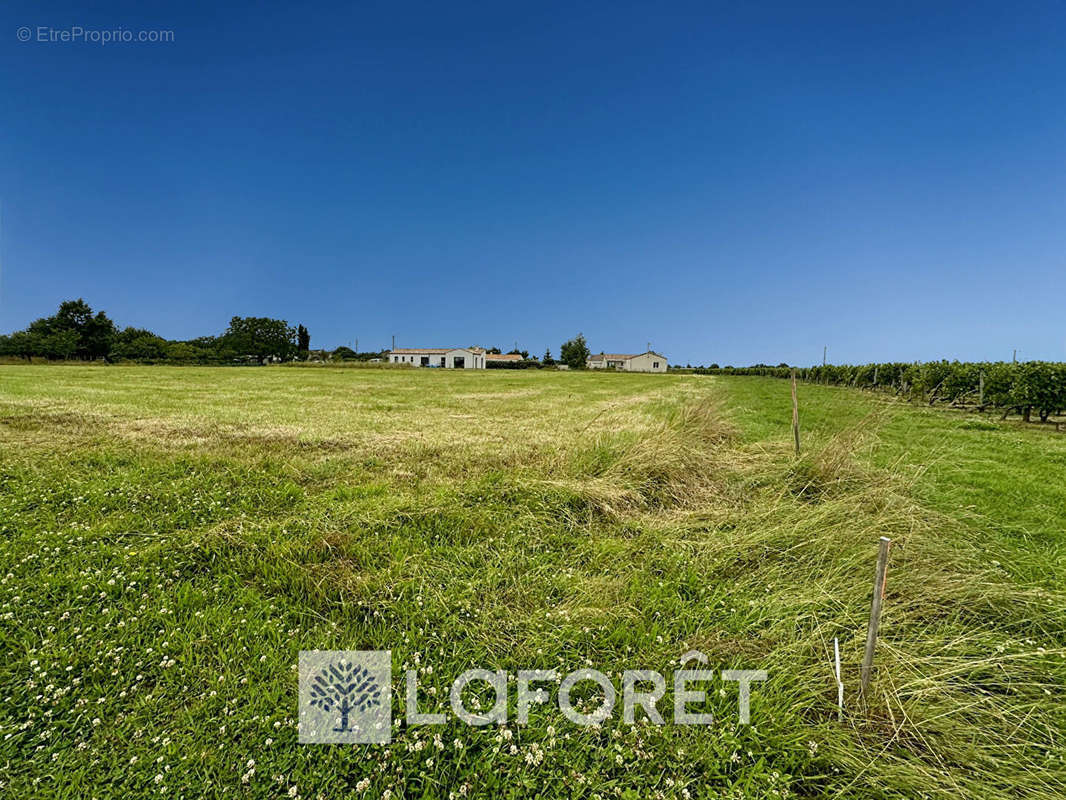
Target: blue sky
x=732 y=185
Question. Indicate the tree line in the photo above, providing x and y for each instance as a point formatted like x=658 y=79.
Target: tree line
x=1023 y=387
x=76 y=332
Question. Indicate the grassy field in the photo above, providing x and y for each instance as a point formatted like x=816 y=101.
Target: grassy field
x=172 y=537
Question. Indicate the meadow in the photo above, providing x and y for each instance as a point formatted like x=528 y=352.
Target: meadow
x=172 y=537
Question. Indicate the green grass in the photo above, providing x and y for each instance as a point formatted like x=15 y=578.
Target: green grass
x=172 y=537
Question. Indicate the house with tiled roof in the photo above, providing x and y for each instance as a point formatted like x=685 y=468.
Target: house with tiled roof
x=628 y=362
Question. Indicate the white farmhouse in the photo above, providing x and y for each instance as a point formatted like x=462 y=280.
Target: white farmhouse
x=445 y=357
x=626 y=362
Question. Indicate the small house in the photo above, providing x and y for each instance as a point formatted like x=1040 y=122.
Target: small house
x=628 y=362
x=442 y=357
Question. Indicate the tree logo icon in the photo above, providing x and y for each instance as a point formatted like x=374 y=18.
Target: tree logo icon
x=344 y=687
x=345 y=696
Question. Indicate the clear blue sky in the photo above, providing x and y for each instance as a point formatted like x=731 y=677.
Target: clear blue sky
x=732 y=185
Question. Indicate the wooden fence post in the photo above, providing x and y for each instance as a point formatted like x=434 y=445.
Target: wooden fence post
x=840 y=684
x=795 y=414
x=875 y=611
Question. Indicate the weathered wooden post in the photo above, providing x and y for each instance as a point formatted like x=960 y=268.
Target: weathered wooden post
x=840 y=684
x=875 y=611
x=981 y=391
x=795 y=413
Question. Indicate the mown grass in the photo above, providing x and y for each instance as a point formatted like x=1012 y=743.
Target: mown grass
x=172 y=537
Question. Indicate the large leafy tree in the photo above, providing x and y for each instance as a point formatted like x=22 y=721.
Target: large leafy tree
x=73 y=331
x=261 y=337
x=96 y=337
x=575 y=352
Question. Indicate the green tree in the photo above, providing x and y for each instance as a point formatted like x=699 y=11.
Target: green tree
x=23 y=344
x=575 y=352
x=547 y=360
x=73 y=315
x=137 y=344
x=96 y=337
x=60 y=344
x=303 y=341
x=261 y=337
x=183 y=352
x=93 y=332
x=74 y=322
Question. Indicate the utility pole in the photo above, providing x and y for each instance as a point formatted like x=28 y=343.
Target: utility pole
x=825 y=349
x=357 y=344
x=394 y=341
x=1015 y=355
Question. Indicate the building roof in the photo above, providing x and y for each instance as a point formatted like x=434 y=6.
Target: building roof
x=432 y=350
x=623 y=356
x=503 y=357
x=611 y=357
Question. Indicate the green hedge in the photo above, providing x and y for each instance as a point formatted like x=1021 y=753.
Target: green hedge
x=525 y=363
x=1027 y=386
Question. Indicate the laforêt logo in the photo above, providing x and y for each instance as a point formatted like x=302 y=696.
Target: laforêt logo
x=346 y=687
x=345 y=696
